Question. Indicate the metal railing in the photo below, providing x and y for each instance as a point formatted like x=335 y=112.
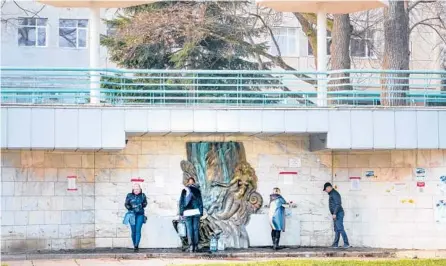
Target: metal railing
x=222 y=88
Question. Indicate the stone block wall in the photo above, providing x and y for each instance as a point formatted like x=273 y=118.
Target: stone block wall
x=39 y=213
x=390 y=210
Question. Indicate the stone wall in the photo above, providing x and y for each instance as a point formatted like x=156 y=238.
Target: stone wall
x=39 y=213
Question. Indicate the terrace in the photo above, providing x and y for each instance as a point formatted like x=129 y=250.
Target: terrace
x=57 y=108
x=291 y=89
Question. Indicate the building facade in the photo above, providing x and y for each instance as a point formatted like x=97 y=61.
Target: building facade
x=57 y=37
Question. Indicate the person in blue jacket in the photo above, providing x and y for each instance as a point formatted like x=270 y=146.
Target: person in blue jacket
x=277 y=216
x=135 y=202
x=337 y=212
x=191 y=209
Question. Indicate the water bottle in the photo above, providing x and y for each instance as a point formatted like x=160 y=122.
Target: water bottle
x=213 y=244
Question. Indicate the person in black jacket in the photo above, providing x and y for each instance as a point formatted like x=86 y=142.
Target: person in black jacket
x=337 y=212
x=136 y=202
x=191 y=209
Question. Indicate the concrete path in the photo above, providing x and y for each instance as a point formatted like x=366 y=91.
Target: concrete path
x=115 y=262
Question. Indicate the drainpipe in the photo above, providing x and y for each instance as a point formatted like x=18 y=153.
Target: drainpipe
x=94 y=47
x=321 y=58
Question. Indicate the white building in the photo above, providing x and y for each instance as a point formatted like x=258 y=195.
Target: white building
x=35 y=35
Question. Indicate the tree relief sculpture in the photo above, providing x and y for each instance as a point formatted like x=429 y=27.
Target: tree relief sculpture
x=228 y=185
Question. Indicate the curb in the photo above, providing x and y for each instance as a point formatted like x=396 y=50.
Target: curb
x=223 y=255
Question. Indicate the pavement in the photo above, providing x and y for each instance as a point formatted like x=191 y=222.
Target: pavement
x=117 y=262
x=162 y=257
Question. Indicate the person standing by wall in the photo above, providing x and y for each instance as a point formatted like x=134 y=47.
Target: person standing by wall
x=337 y=212
x=277 y=216
x=135 y=203
x=191 y=208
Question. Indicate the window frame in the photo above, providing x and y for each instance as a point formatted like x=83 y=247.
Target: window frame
x=87 y=31
x=329 y=40
x=296 y=52
x=368 y=39
x=36 y=32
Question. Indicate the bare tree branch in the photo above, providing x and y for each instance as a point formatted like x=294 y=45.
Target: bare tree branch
x=416 y=3
x=422 y=22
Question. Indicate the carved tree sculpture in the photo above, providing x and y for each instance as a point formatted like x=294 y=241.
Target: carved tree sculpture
x=229 y=204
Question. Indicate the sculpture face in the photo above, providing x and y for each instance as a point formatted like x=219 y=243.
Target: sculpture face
x=228 y=185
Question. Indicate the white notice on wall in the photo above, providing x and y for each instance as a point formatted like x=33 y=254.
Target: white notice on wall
x=355 y=183
x=159 y=181
x=288 y=179
x=294 y=162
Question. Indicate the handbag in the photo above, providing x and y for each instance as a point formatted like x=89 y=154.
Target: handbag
x=181 y=229
x=129 y=218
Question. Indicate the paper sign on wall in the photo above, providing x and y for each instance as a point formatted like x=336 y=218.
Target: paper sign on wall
x=287 y=177
x=294 y=162
x=442 y=184
x=420 y=174
x=440 y=211
x=369 y=174
x=355 y=183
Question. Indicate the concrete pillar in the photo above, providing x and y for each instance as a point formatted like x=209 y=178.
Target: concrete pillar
x=95 y=16
x=322 y=58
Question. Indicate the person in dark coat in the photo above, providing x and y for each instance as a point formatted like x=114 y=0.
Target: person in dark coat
x=135 y=202
x=191 y=209
x=277 y=216
x=337 y=212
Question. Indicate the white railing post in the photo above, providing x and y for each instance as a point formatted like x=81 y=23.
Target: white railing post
x=94 y=47
x=322 y=58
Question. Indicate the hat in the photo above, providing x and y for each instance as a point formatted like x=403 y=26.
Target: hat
x=328 y=184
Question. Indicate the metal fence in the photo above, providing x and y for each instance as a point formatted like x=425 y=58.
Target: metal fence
x=222 y=88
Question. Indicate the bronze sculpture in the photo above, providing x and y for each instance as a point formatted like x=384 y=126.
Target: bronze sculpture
x=228 y=185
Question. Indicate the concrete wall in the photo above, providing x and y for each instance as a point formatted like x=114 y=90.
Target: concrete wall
x=39 y=213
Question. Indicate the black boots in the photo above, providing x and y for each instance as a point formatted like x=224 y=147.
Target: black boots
x=136 y=249
x=193 y=248
x=275 y=235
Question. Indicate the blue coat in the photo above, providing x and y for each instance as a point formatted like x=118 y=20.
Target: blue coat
x=136 y=203
x=195 y=200
x=277 y=212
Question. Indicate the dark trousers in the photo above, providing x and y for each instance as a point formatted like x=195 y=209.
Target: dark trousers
x=193 y=230
x=136 y=229
x=275 y=233
x=339 y=229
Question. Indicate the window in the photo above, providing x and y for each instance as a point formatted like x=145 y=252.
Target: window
x=287 y=40
x=73 y=33
x=362 y=47
x=32 y=32
x=111 y=30
x=310 y=49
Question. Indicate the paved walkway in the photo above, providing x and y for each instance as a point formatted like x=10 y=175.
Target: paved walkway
x=116 y=262
x=148 y=257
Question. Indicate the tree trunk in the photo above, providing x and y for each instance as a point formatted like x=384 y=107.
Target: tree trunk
x=340 y=55
x=396 y=54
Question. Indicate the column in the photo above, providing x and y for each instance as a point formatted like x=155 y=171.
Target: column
x=95 y=16
x=321 y=58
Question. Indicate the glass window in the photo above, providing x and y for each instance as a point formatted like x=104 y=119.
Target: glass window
x=362 y=46
x=73 y=33
x=287 y=40
x=32 y=32
x=310 y=49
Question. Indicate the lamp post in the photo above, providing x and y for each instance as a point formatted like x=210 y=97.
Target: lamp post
x=94 y=32
x=321 y=8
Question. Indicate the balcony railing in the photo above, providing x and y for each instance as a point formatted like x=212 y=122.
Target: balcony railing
x=221 y=88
